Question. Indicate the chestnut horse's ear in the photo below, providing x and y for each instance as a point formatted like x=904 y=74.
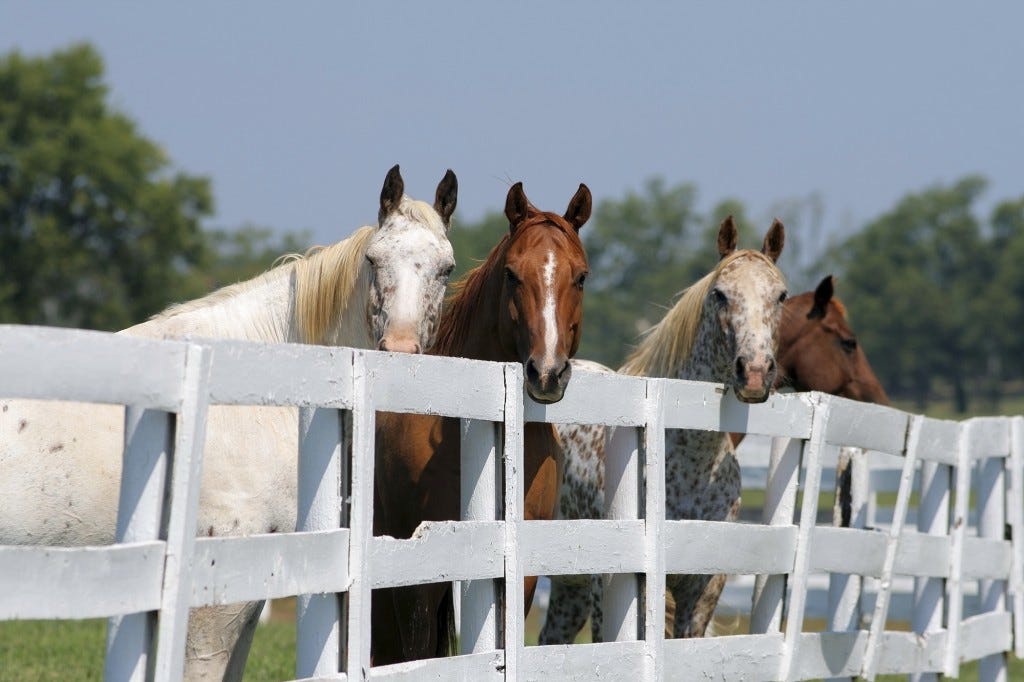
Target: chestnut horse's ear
x=517 y=206
x=579 y=207
x=727 y=237
x=390 y=194
x=774 y=240
x=446 y=197
x=822 y=295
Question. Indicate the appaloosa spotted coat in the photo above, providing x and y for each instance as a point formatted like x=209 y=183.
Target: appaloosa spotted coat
x=723 y=329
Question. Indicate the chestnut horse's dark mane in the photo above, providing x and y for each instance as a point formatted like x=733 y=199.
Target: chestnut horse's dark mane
x=466 y=293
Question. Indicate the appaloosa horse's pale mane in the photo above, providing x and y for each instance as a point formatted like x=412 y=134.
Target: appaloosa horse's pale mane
x=667 y=345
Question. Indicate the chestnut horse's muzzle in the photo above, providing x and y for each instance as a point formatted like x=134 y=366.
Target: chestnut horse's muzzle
x=546 y=383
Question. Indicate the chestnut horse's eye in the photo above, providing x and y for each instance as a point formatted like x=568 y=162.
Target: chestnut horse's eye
x=719 y=297
x=512 y=277
x=580 y=280
x=848 y=345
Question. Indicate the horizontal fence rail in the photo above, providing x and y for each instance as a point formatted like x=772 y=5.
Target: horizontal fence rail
x=955 y=529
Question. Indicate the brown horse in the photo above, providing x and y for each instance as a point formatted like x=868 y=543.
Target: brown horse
x=523 y=304
x=819 y=352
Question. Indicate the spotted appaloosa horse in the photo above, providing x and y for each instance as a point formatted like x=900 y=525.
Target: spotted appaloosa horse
x=523 y=304
x=723 y=329
x=382 y=288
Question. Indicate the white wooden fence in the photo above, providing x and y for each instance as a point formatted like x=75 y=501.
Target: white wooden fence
x=146 y=582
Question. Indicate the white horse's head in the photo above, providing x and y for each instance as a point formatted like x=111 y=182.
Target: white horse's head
x=410 y=260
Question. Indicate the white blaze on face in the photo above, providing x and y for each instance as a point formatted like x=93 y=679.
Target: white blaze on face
x=550 y=325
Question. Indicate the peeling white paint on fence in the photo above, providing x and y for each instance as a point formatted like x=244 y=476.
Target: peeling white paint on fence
x=969 y=569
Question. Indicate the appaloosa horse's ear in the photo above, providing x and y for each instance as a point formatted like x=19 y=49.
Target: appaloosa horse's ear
x=517 y=206
x=390 y=194
x=774 y=240
x=579 y=207
x=727 y=237
x=822 y=295
x=446 y=197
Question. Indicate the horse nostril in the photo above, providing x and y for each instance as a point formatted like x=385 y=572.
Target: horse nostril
x=566 y=371
x=741 y=369
x=771 y=365
x=532 y=374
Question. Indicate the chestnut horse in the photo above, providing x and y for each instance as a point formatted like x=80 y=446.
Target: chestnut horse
x=523 y=304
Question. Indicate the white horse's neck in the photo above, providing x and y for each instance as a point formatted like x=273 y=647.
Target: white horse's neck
x=709 y=358
x=261 y=310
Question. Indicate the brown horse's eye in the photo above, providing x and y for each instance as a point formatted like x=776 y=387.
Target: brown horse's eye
x=512 y=277
x=848 y=345
x=580 y=280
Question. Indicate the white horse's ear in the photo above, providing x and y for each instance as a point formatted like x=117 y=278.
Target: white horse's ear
x=727 y=237
x=446 y=197
x=390 y=194
x=578 y=211
x=774 y=240
x=517 y=206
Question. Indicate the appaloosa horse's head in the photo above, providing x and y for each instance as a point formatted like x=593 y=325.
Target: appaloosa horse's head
x=819 y=352
x=541 y=299
x=410 y=260
x=746 y=297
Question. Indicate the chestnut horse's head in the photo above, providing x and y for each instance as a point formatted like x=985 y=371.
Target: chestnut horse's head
x=541 y=300
x=819 y=352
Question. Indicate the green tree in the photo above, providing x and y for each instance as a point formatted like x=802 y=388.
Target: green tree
x=911 y=280
x=95 y=228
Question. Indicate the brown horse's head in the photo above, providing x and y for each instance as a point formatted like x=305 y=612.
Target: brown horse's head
x=541 y=300
x=819 y=352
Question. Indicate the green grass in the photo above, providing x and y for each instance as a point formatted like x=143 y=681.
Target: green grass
x=72 y=651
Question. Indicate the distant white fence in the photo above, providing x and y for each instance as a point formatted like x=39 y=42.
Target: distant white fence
x=147 y=581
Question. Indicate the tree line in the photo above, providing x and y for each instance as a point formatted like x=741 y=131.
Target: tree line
x=98 y=230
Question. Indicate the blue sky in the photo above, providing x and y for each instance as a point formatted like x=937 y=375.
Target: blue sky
x=297 y=110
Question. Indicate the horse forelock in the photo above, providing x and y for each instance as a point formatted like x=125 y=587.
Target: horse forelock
x=418 y=212
x=665 y=347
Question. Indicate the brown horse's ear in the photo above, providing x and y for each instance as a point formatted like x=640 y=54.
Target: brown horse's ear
x=822 y=295
x=774 y=240
x=517 y=206
x=579 y=207
x=390 y=194
x=727 y=237
x=446 y=197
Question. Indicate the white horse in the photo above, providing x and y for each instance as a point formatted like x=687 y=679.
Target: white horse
x=60 y=463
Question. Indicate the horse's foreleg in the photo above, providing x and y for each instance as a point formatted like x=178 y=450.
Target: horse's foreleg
x=695 y=599
x=568 y=609
x=218 y=641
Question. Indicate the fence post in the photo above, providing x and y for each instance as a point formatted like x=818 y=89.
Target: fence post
x=512 y=444
x=147 y=450
x=1016 y=520
x=779 y=507
x=478 y=446
x=183 y=498
x=622 y=501
x=805 y=533
x=991 y=503
x=933 y=519
x=844 y=589
x=357 y=611
x=654 y=514
x=320 y=507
